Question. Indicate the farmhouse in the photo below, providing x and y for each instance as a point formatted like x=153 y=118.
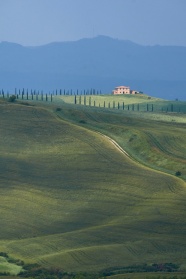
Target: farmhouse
x=123 y=90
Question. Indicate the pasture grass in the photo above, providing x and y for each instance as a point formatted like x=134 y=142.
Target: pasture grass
x=9 y=268
x=139 y=102
x=100 y=99
x=71 y=200
x=154 y=139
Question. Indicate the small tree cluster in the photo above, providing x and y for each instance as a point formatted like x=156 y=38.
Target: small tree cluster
x=178 y=173
x=12 y=98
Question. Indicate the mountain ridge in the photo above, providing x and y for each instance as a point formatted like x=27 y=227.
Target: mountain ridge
x=100 y=62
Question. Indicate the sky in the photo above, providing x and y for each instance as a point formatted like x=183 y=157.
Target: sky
x=146 y=22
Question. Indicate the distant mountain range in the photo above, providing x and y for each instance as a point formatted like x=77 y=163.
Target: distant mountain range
x=101 y=63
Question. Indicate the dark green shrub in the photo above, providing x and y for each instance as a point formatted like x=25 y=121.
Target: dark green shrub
x=12 y=98
x=82 y=121
x=178 y=173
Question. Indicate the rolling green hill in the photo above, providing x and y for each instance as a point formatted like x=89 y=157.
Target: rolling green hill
x=70 y=199
x=138 y=102
x=154 y=139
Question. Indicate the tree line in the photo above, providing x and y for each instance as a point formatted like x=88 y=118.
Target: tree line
x=85 y=97
x=57 y=92
x=148 y=107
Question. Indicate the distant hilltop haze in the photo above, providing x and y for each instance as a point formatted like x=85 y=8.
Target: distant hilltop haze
x=101 y=63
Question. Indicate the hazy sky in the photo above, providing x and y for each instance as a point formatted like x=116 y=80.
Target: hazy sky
x=147 y=22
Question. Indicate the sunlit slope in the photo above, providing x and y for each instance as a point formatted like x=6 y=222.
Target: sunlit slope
x=100 y=99
x=70 y=199
x=124 y=102
x=155 y=139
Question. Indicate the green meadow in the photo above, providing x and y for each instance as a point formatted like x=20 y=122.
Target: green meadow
x=139 y=102
x=100 y=99
x=6 y=267
x=70 y=199
x=155 y=139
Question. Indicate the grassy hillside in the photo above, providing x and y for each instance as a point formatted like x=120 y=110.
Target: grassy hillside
x=70 y=199
x=100 y=99
x=154 y=139
x=139 y=102
x=6 y=267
